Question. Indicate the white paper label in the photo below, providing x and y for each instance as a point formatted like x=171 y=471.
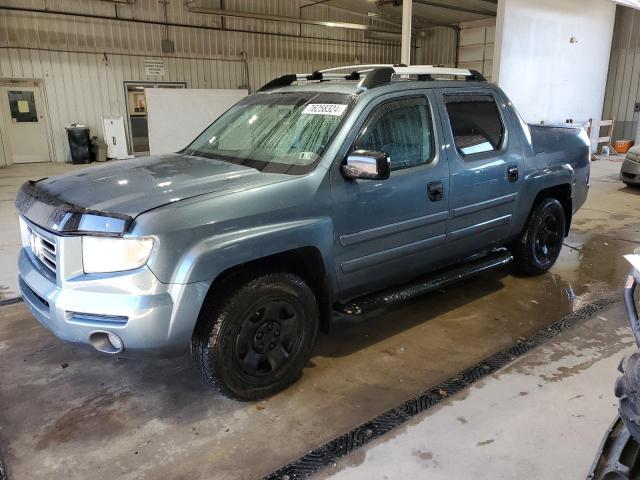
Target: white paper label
x=634 y=260
x=324 y=109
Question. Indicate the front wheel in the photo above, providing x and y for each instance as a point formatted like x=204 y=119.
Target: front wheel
x=256 y=340
x=539 y=245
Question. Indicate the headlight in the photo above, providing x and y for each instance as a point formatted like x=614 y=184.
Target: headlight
x=102 y=255
x=634 y=157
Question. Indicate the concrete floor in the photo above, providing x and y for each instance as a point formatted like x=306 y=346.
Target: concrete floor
x=73 y=414
x=541 y=417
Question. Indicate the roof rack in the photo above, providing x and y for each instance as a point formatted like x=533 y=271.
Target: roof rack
x=375 y=75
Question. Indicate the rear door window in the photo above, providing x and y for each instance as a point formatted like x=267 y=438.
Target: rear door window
x=475 y=123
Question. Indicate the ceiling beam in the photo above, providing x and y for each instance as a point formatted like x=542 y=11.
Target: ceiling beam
x=314 y=3
x=396 y=22
x=446 y=6
x=279 y=18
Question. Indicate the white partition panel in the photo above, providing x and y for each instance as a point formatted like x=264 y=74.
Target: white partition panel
x=551 y=57
x=177 y=116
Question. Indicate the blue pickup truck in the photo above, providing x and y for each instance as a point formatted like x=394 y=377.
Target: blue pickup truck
x=346 y=189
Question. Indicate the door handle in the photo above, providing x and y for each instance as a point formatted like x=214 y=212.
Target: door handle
x=435 y=191
x=512 y=174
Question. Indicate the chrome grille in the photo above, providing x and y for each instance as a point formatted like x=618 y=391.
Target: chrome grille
x=43 y=248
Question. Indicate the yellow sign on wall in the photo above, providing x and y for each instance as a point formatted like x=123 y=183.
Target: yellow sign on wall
x=23 y=106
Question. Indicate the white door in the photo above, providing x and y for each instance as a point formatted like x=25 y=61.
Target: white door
x=24 y=122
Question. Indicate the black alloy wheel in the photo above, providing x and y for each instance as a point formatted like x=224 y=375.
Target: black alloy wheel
x=548 y=239
x=268 y=337
x=539 y=245
x=254 y=338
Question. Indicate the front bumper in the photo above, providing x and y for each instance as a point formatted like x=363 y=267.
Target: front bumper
x=147 y=315
x=630 y=172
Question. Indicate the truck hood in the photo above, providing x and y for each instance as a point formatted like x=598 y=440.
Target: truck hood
x=125 y=189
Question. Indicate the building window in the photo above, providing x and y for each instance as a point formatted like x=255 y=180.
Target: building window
x=22 y=105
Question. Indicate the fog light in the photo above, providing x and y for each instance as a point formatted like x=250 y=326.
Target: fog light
x=115 y=341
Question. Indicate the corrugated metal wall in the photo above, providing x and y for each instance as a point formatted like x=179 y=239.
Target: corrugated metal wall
x=475 y=51
x=623 y=83
x=83 y=62
x=437 y=47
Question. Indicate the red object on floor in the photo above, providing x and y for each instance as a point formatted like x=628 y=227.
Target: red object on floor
x=622 y=146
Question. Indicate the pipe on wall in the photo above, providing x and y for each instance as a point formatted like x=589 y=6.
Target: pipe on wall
x=182 y=25
x=120 y=2
x=188 y=4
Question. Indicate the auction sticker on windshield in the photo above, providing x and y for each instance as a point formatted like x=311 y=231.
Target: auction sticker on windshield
x=324 y=109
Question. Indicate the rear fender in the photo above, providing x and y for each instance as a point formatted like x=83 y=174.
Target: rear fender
x=538 y=181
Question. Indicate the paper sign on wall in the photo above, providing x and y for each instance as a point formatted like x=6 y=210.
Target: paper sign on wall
x=154 y=68
x=23 y=106
x=324 y=109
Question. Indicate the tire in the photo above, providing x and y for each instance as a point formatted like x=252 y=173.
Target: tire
x=627 y=389
x=539 y=244
x=256 y=340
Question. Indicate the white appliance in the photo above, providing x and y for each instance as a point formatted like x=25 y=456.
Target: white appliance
x=115 y=136
x=177 y=116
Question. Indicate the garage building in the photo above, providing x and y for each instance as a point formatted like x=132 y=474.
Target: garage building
x=499 y=375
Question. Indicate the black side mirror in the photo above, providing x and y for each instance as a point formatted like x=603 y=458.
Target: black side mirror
x=367 y=165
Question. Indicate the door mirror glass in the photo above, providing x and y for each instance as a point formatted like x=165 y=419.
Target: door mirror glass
x=367 y=165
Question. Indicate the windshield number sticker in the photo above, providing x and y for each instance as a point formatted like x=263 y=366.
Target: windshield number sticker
x=324 y=109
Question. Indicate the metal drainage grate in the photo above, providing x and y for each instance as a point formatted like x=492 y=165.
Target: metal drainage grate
x=328 y=454
x=10 y=301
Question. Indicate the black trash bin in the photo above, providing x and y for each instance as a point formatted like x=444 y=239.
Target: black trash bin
x=79 y=144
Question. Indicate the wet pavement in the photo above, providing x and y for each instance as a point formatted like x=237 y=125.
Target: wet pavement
x=543 y=416
x=71 y=413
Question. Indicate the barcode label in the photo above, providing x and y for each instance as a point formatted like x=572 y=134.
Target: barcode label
x=324 y=109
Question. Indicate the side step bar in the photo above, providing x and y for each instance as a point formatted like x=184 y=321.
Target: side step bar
x=439 y=280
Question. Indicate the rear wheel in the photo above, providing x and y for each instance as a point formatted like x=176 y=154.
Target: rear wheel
x=540 y=243
x=256 y=340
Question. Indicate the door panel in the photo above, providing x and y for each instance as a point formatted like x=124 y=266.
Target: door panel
x=137 y=112
x=485 y=162
x=388 y=230
x=24 y=121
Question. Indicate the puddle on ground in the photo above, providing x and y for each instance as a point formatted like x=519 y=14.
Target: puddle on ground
x=503 y=302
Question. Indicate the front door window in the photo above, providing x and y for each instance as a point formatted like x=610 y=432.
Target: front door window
x=401 y=129
x=22 y=105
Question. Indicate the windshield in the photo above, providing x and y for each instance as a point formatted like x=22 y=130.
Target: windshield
x=280 y=133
